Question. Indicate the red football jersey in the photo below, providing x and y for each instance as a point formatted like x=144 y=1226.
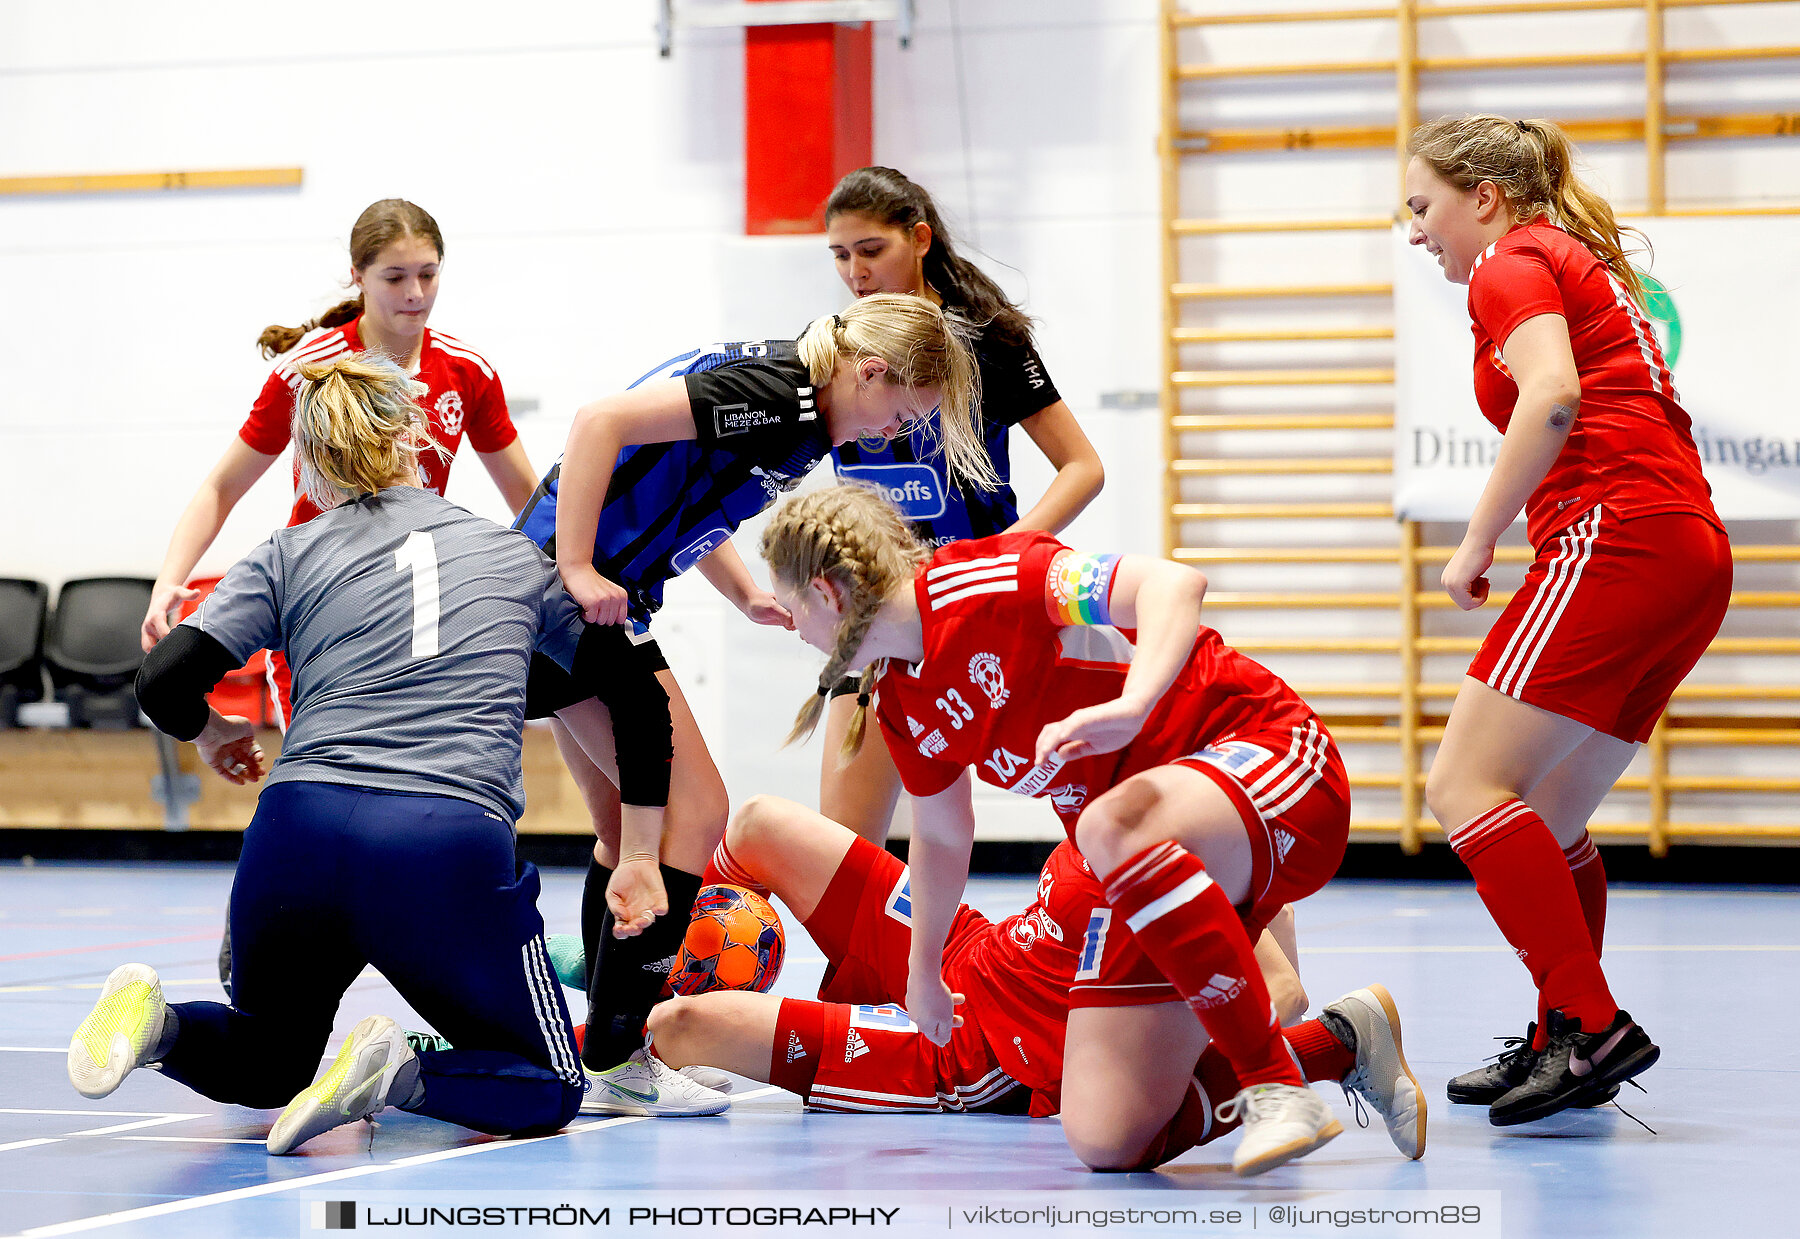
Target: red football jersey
x=1002 y=660
x=1021 y=970
x=463 y=396
x=1632 y=447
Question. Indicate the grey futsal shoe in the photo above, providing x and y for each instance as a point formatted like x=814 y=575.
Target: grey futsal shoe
x=120 y=1033
x=1381 y=1077
x=375 y=1068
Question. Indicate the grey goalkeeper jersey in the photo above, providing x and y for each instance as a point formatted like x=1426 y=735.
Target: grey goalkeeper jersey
x=408 y=624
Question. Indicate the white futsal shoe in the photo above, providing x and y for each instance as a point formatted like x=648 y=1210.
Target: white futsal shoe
x=369 y=1074
x=1381 y=1076
x=644 y=1085
x=120 y=1033
x=707 y=1077
x=1281 y=1122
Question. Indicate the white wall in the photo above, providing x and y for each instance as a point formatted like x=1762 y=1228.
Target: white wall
x=590 y=197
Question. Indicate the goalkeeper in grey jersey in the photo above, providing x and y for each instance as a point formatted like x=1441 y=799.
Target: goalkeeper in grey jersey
x=385 y=833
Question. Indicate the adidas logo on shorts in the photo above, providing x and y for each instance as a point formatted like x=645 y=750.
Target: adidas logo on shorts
x=795 y=1048
x=1284 y=842
x=662 y=965
x=854 y=1046
x=1218 y=991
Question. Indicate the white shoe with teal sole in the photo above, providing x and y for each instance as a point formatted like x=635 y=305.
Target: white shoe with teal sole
x=361 y=1082
x=646 y=1086
x=119 y=1033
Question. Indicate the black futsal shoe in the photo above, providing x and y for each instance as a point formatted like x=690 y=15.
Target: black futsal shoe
x=1576 y=1068
x=1506 y=1071
x=1509 y=1068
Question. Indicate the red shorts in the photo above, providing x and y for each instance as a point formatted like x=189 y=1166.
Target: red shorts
x=872 y=1057
x=1611 y=618
x=1291 y=791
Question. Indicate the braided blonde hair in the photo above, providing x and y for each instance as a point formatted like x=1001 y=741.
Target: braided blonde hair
x=923 y=347
x=358 y=427
x=1532 y=163
x=852 y=537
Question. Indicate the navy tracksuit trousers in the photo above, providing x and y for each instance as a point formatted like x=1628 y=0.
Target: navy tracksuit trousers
x=428 y=890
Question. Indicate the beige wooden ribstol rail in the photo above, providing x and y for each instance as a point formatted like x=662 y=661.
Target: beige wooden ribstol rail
x=1408 y=711
x=125 y=182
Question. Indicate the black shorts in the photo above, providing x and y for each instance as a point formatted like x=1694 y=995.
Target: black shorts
x=550 y=688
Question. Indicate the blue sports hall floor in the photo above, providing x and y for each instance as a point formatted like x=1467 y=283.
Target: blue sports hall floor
x=1711 y=972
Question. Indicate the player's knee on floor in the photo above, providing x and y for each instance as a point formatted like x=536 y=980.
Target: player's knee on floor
x=555 y=1110
x=1111 y=1144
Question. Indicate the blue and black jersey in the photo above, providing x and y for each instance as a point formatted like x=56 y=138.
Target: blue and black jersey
x=671 y=504
x=911 y=473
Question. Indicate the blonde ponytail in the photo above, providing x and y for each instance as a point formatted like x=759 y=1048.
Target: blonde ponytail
x=1532 y=162
x=852 y=537
x=358 y=427
x=923 y=347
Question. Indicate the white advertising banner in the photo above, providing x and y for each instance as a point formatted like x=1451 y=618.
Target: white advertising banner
x=1728 y=324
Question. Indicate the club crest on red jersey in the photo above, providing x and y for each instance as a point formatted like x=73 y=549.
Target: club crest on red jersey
x=1031 y=926
x=984 y=673
x=450 y=412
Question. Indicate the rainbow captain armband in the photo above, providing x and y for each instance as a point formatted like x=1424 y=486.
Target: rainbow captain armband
x=1078 y=587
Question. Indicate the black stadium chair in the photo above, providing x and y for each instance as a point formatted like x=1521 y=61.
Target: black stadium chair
x=93 y=651
x=24 y=609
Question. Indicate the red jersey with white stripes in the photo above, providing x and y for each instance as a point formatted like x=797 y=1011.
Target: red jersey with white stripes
x=1632 y=447
x=1001 y=662
x=463 y=396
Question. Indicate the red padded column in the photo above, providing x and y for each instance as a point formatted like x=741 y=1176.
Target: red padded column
x=808 y=119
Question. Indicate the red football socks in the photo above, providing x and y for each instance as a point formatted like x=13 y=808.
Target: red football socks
x=1323 y=1058
x=1526 y=883
x=724 y=869
x=1189 y=929
x=1589 y=872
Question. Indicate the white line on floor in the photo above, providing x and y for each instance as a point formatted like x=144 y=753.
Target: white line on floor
x=330 y=1176
x=27 y=1144
x=160 y=1121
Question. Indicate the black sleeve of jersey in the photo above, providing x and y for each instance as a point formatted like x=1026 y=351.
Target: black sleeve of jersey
x=609 y=668
x=1014 y=383
x=751 y=405
x=176 y=676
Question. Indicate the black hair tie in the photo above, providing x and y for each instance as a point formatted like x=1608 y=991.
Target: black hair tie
x=837 y=324
x=862 y=701
x=824 y=690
